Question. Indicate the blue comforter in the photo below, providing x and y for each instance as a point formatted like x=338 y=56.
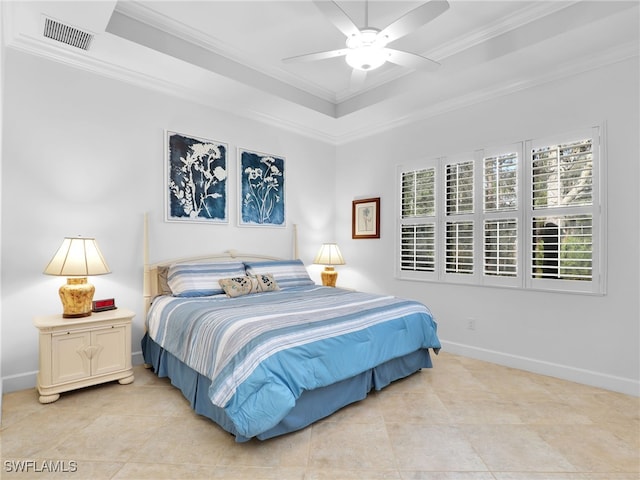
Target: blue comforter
x=262 y=351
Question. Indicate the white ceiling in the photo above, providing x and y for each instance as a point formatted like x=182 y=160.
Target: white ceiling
x=228 y=54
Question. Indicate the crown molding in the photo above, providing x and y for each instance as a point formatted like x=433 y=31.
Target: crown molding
x=614 y=55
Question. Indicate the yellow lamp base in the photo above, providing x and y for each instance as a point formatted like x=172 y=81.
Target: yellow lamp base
x=76 y=297
x=329 y=277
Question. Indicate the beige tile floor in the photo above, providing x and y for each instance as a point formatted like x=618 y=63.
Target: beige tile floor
x=463 y=419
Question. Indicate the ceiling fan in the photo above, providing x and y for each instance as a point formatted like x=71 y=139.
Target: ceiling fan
x=366 y=47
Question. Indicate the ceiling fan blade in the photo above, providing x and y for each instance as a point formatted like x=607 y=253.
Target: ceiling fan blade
x=338 y=17
x=357 y=79
x=411 y=60
x=414 y=19
x=312 y=57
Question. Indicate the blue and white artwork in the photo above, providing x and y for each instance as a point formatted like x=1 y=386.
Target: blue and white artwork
x=262 y=189
x=196 y=179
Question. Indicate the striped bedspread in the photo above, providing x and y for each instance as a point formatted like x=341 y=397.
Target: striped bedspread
x=262 y=351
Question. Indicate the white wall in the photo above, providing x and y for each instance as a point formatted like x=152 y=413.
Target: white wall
x=83 y=155
x=591 y=339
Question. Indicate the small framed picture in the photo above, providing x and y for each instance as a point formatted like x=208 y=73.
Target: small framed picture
x=365 y=218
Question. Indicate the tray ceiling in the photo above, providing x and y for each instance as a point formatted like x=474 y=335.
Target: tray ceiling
x=228 y=54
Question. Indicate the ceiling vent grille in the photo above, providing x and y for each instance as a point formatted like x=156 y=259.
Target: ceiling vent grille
x=67 y=34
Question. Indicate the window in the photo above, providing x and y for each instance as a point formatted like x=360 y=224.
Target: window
x=418 y=252
x=562 y=247
x=526 y=215
x=459 y=226
x=418 y=193
x=562 y=175
x=418 y=221
x=460 y=188
x=501 y=182
x=501 y=247
x=565 y=213
x=501 y=170
x=459 y=256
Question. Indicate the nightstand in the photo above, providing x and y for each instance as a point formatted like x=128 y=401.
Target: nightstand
x=80 y=352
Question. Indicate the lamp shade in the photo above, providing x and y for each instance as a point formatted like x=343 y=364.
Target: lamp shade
x=329 y=254
x=77 y=257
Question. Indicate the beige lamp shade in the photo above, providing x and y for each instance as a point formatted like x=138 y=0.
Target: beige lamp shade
x=77 y=258
x=329 y=255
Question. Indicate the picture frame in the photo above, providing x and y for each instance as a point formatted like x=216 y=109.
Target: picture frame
x=196 y=173
x=262 y=179
x=365 y=218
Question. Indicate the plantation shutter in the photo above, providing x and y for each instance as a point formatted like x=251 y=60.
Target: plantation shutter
x=563 y=216
x=459 y=227
x=500 y=247
x=418 y=193
x=418 y=228
x=418 y=247
x=500 y=227
x=459 y=247
x=530 y=215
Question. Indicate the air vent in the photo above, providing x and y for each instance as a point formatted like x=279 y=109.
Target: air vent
x=67 y=34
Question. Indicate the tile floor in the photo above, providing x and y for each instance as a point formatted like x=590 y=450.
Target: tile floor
x=463 y=419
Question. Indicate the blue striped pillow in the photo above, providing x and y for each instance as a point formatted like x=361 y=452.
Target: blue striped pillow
x=201 y=279
x=287 y=273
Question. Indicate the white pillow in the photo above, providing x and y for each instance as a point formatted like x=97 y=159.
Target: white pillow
x=287 y=273
x=201 y=279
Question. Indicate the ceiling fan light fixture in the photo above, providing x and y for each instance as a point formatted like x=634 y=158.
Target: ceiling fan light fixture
x=366 y=50
x=366 y=57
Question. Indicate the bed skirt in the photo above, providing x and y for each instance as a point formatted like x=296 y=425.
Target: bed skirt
x=312 y=405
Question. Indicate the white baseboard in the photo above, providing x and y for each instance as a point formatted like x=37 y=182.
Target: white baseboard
x=614 y=383
x=20 y=381
x=24 y=381
x=136 y=358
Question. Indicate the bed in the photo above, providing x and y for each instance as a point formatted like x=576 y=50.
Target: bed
x=258 y=348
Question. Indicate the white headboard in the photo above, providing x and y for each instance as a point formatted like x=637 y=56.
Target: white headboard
x=152 y=272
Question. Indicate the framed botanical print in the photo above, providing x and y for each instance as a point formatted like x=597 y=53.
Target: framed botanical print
x=365 y=218
x=262 y=195
x=195 y=179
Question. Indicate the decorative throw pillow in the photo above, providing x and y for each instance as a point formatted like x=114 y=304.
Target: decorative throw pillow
x=287 y=273
x=238 y=286
x=201 y=279
x=266 y=282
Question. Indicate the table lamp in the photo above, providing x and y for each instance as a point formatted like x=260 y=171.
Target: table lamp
x=328 y=256
x=77 y=258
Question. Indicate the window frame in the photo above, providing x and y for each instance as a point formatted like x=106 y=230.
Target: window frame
x=523 y=215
